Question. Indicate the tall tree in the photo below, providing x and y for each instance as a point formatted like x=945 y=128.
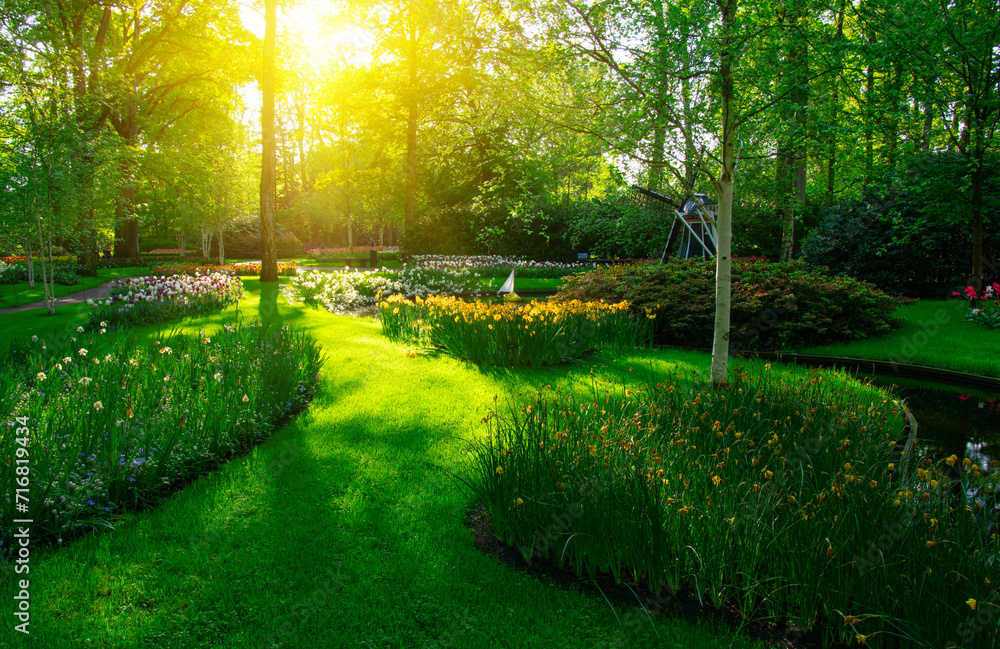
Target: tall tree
x=268 y=251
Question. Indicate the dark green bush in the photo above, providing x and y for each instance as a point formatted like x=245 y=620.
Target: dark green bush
x=774 y=306
x=242 y=241
x=911 y=233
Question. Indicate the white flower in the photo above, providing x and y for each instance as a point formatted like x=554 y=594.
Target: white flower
x=217 y=376
x=166 y=350
x=245 y=398
x=103 y=323
x=40 y=376
x=108 y=358
x=98 y=405
x=82 y=352
x=59 y=366
x=34 y=339
x=67 y=359
x=103 y=330
x=79 y=330
x=85 y=381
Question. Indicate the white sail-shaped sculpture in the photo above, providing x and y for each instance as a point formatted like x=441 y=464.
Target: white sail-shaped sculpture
x=508 y=286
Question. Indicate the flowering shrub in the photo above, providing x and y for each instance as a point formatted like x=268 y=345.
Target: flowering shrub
x=344 y=291
x=780 y=495
x=774 y=306
x=114 y=422
x=535 y=333
x=986 y=307
x=499 y=266
x=137 y=301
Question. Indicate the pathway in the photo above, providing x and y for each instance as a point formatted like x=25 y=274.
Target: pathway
x=98 y=292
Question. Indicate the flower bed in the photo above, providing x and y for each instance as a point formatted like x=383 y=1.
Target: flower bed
x=535 y=333
x=245 y=268
x=137 y=301
x=340 y=254
x=786 y=497
x=499 y=266
x=345 y=291
x=986 y=307
x=114 y=423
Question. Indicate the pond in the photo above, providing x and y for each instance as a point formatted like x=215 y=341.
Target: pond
x=951 y=421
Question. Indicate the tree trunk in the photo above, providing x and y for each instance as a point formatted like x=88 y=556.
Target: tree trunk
x=831 y=175
x=977 y=217
x=268 y=253
x=409 y=214
x=870 y=115
x=727 y=178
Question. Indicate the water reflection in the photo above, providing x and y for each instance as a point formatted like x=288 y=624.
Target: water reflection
x=951 y=421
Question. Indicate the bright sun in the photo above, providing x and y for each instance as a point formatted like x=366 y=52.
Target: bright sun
x=311 y=28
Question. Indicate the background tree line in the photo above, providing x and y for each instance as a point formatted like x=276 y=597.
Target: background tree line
x=508 y=127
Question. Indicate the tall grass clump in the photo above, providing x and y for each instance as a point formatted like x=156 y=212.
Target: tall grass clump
x=791 y=498
x=112 y=423
x=533 y=333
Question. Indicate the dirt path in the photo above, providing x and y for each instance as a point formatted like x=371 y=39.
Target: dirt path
x=96 y=293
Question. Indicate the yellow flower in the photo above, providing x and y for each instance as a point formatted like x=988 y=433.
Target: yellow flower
x=245 y=398
x=768 y=474
x=951 y=462
x=873 y=484
x=850 y=619
x=716 y=480
x=520 y=501
x=972 y=603
x=861 y=638
x=931 y=543
x=499 y=470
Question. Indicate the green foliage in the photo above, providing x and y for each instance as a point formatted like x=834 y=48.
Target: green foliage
x=909 y=235
x=786 y=496
x=242 y=241
x=615 y=229
x=774 y=306
x=114 y=422
x=64 y=274
x=547 y=230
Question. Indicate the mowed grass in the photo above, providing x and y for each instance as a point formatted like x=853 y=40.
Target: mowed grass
x=342 y=530
x=934 y=333
x=12 y=295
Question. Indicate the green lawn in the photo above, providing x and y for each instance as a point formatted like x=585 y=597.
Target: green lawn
x=525 y=284
x=345 y=529
x=934 y=333
x=12 y=295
